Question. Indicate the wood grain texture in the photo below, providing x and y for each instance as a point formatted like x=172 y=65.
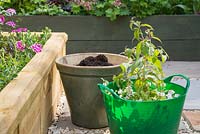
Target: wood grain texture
x=101 y=28
x=30 y=117
x=180 y=31
x=36 y=128
x=186 y=50
x=21 y=98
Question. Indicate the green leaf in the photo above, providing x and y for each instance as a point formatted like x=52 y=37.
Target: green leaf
x=156 y=38
x=185 y=8
x=138 y=49
x=128 y=52
x=164 y=58
x=137 y=34
x=145 y=49
x=76 y=8
x=124 y=12
x=109 y=11
x=123 y=67
x=158 y=64
x=147 y=25
x=156 y=52
x=101 y=5
x=99 y=13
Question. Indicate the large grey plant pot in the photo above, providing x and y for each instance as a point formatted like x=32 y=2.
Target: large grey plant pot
x=80 y=84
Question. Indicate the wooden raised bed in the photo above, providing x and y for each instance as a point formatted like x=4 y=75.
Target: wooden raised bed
x=180 y=33
x=28 y=103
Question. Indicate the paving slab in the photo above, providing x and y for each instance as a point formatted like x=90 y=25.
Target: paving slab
x=192 y=70
x=192 y=101
x=193 y=117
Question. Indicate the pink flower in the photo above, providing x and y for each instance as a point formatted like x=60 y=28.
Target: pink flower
x=11 y=23
x=36 y=47
x=18 y=30
x=2 y=19
x=117 y=3
x=78 y=2
x=20 y=46
x=87 y=6
x=10 y=11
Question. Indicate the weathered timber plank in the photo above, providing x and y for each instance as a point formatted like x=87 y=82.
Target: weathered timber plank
x=56 y=85
x=49 y=104
x=187 y=50
x=36 y=128
x=30 y=118
x=101 y=28
x=97 y=46
x=16 y=131
x=16 y=99
x=183 y=50
x=2 y=119
x=48 y=80
x=46 y=104
x=181 y=27
x=22 y=84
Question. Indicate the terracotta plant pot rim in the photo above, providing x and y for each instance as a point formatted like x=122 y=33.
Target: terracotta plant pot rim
x=90 y=67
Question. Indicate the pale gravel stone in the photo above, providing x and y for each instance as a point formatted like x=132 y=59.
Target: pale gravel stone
x=62 y=112
x=184 y=127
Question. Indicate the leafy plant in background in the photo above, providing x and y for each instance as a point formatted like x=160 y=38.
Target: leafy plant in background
x=141 y=78
x=143 y=8
x=17 y=47
x=196 y=6
x=26 y=5
x=64 y=4
x=33 y=7
x=46 y=9
x=108 y=8
x=138 y=8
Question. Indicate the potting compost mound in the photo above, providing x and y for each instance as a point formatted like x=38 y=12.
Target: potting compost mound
x=99 y=60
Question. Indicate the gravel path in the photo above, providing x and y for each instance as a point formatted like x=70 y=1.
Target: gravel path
x=62 y=123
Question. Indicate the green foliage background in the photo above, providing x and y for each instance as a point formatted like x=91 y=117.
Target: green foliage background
x=138 y=8
x=11 y=59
